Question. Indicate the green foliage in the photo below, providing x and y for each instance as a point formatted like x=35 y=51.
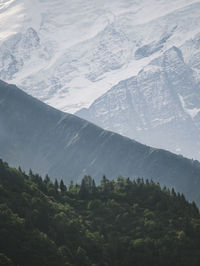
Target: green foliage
x=5 y=261
x=117 y=223
x=63 y=188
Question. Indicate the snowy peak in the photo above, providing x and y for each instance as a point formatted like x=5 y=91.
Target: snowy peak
x=159 y=106
x=80 y=50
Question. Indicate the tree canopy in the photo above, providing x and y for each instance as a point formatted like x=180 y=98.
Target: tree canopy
x=122 y=222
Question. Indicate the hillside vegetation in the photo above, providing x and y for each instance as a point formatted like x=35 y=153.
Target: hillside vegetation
x=117 y=223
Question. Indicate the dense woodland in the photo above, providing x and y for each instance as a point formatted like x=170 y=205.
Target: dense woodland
x=121 y=222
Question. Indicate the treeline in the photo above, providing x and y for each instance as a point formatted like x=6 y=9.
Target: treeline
x=123 y=222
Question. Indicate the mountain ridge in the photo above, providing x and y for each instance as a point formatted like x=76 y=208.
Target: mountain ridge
x=160 y=106
x=40 y=137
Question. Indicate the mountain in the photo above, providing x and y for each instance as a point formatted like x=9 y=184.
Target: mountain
x=114 y=223
x=159 y=107
x=69 y=53
x=37 y=136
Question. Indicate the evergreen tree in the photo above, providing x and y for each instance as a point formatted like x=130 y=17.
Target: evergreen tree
x=46 y=179
x=56 y=185
x=93 y=188
x=83 y=189
x=63 y=188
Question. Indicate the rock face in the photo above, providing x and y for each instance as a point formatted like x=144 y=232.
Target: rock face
x=16 y=51
x=160 y=106
x=68 y=53
x=35 y=135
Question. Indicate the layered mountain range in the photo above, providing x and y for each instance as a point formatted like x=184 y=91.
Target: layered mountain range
x=35 y=135
x=160 y=106
x=134 y=64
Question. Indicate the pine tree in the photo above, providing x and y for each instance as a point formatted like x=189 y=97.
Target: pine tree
x=46 y=179
x=56 y=185
x=63 y=188
x=83 y=189
x=93 y=188
x=30 y=173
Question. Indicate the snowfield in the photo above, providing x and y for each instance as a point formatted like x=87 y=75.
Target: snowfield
x=68 y=53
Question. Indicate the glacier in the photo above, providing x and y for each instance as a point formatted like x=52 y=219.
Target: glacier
x=69 y=53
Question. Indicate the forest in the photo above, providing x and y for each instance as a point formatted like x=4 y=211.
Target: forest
x=118 y=222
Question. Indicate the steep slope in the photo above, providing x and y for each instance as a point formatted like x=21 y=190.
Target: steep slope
x=40 y=137
x=68 y=53
x=159 y=107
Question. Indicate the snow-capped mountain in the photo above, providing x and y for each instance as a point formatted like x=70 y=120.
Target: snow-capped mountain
x=68 y=53
x=160 y=106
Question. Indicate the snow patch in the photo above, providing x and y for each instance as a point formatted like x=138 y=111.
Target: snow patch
x=191 y=112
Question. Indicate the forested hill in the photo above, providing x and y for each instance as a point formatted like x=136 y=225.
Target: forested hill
x=37 y=136
x=117 y=223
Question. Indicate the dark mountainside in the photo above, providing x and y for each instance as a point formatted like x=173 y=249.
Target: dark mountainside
x=35 y=135
x=117 y=223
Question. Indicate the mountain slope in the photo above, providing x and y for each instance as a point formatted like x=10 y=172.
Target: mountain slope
x=159 y=107
x=40 y=137
x=70 y=53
